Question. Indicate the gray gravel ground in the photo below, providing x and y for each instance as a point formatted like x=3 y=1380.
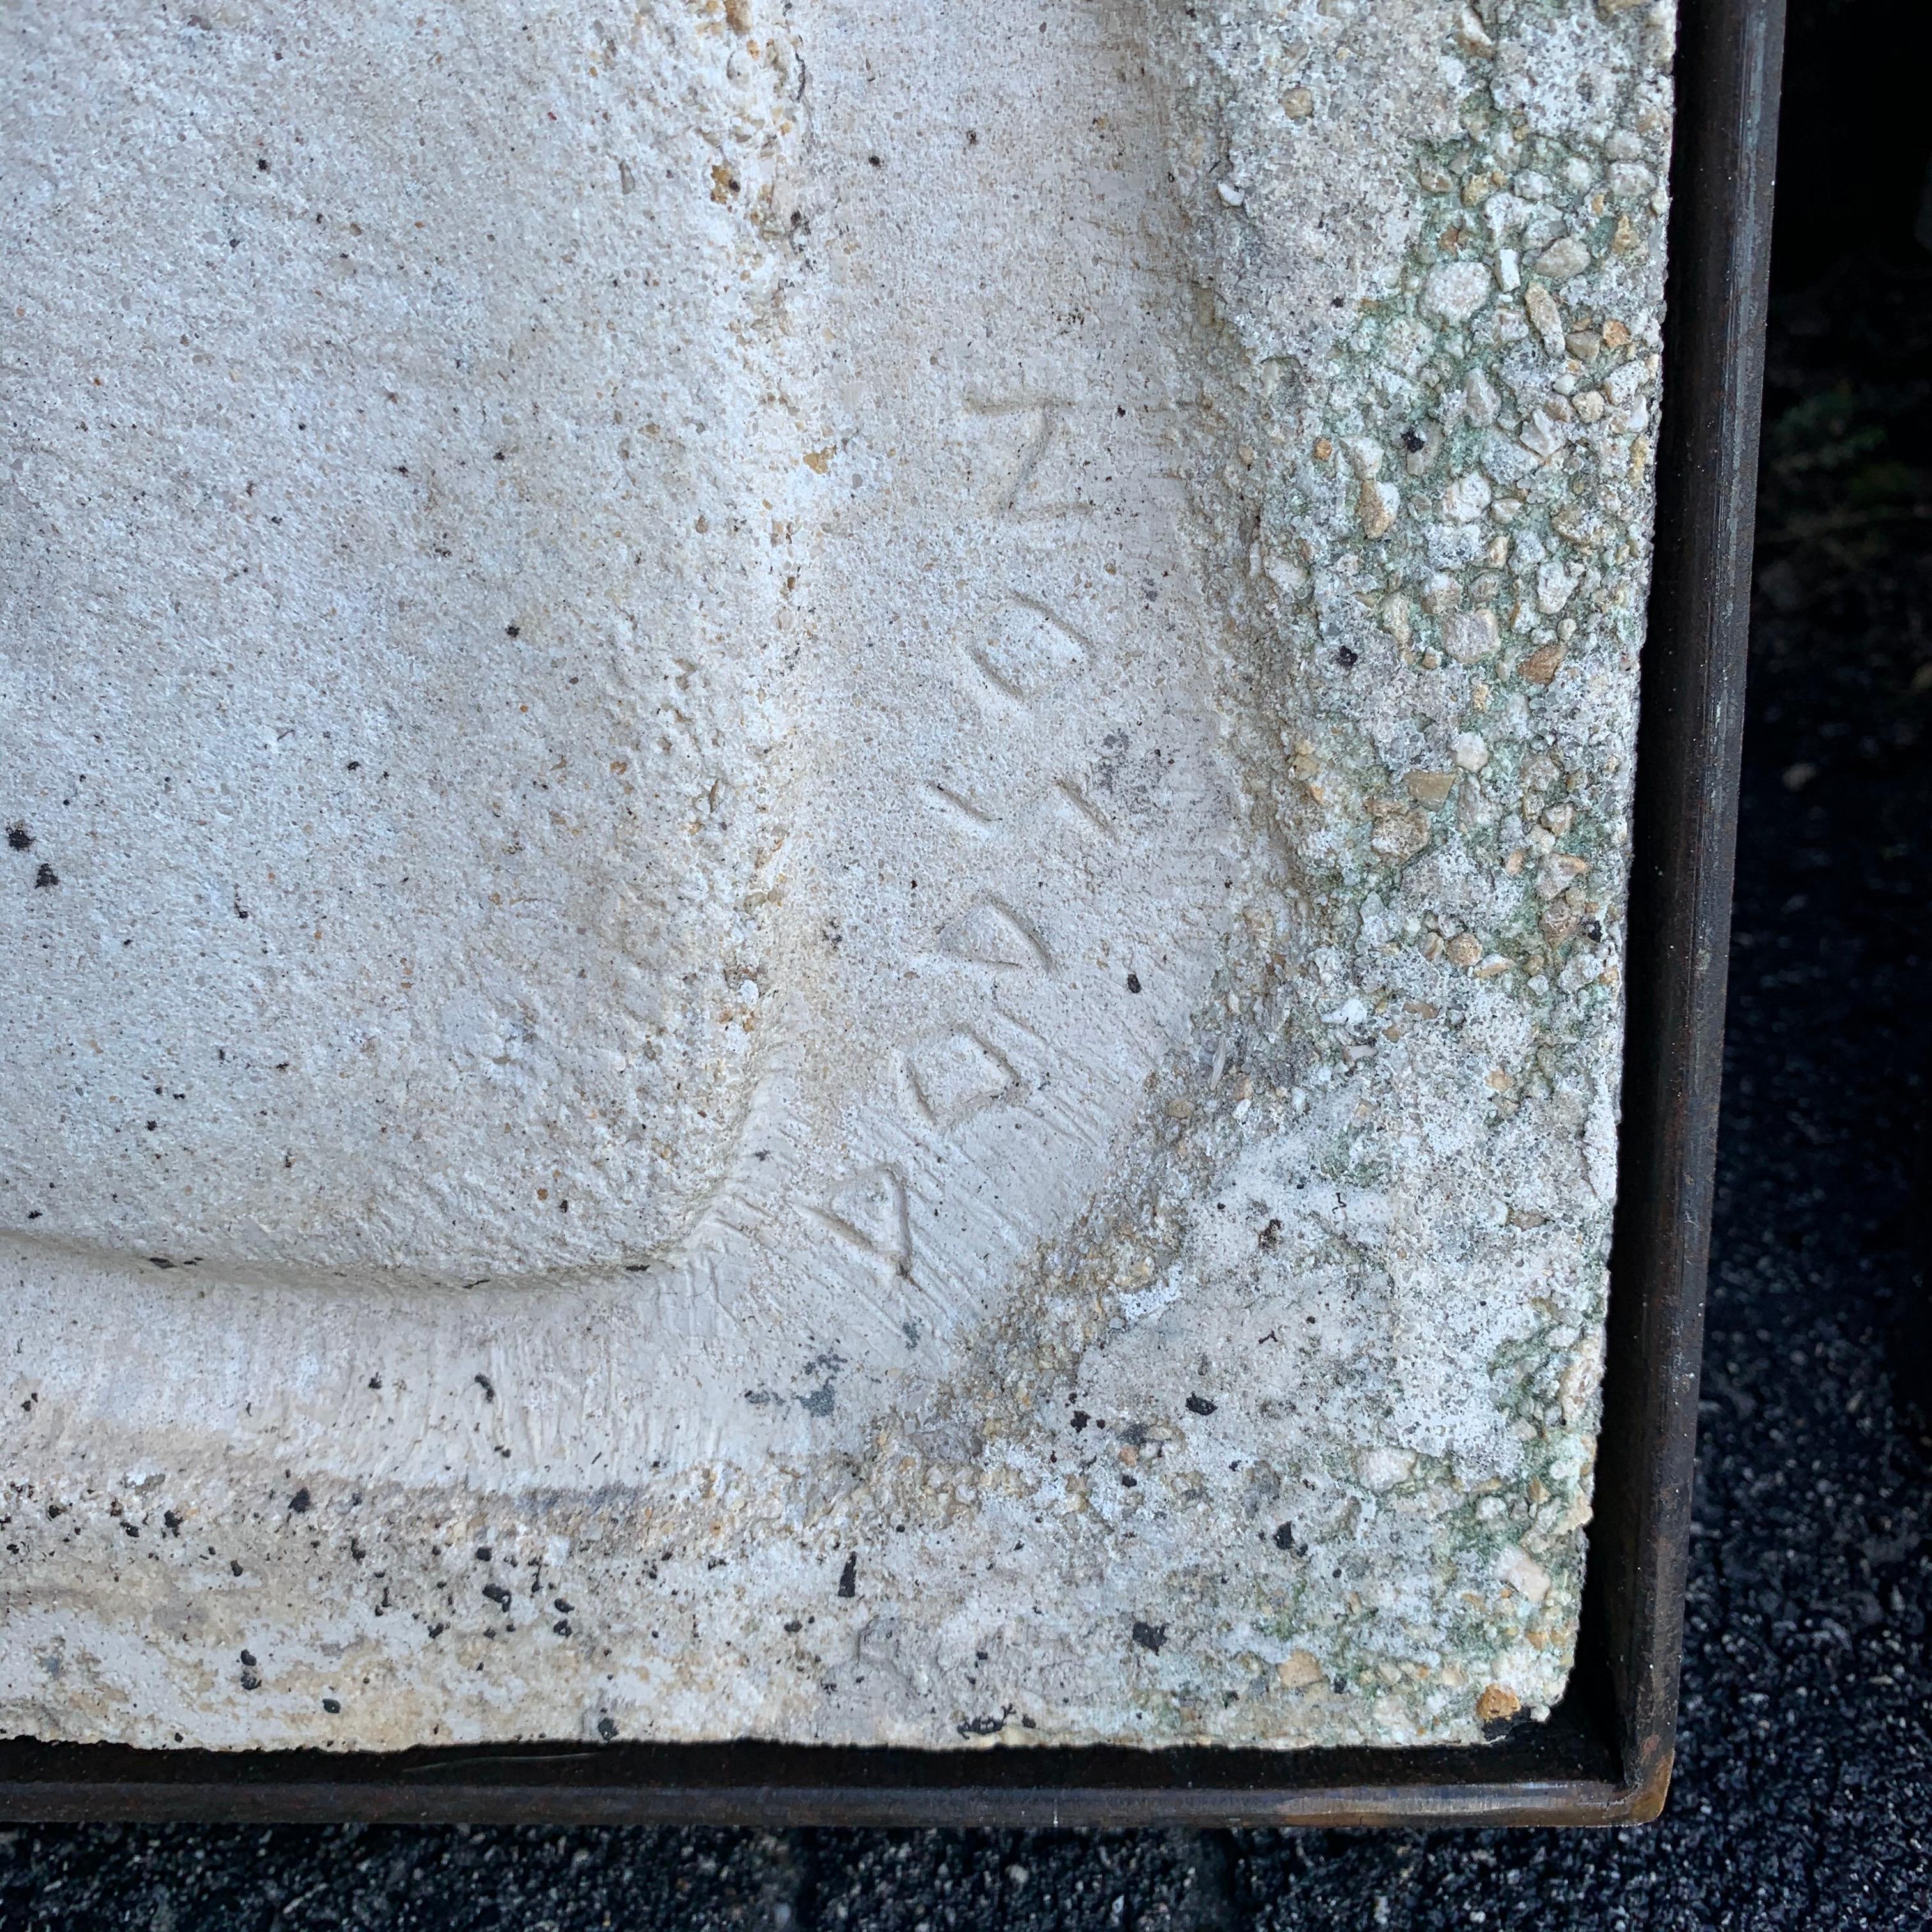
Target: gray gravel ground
x=1804 y=1795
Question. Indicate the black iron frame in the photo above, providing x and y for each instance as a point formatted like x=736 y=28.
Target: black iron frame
x=1604 y=1756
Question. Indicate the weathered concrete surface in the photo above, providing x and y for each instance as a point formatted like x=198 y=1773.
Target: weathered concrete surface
x=818 y=829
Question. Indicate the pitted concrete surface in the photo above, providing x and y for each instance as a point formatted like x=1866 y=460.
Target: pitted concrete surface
x=819 y=820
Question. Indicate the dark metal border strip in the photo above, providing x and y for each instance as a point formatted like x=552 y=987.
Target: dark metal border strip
x=1689 y=733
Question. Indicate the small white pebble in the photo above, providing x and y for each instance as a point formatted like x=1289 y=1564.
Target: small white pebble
x=1466 y=498
x=1364 y=454
x=1564 y=257
x=1523 y=1573
x=1554 y=582
x=1470 y=635
x=1455 y=290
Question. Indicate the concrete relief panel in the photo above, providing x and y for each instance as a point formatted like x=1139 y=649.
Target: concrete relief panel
x=817 y=823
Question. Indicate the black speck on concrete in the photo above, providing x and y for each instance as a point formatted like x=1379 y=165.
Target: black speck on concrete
x=45 y=875
x=1149 y=1636
x=848 y=1577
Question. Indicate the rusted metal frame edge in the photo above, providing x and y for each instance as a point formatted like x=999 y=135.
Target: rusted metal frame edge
x=1036 y=1807
x=1690 y=736
x=1683 y=839
x=1562 y=1772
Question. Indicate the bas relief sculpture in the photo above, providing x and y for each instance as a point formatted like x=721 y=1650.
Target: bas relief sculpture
x=817 y=823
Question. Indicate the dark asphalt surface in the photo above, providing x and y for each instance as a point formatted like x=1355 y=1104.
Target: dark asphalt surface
x=1804 y=1792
